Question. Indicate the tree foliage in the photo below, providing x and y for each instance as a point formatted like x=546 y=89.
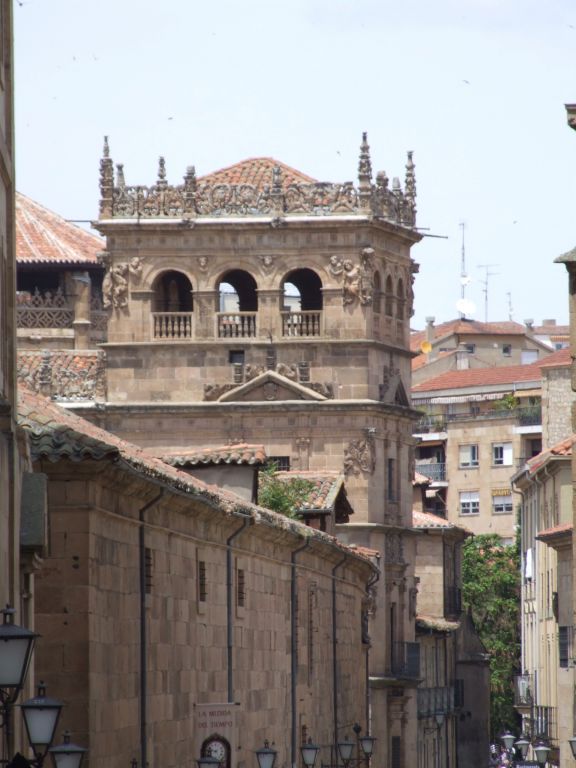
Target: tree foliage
x=491 y=588
x=281 y=494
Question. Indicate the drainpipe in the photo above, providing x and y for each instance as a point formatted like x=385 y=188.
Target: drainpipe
x=229 y=583
x=143 y=637
x=334 y=644
x=369 y=586
x=294 y=649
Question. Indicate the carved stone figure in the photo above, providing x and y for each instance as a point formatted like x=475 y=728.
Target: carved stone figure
x=115 y=287
x=359 y=279
x=336 y=267
x=203 y=263
x=135 y=268
x=267 y=261
x=360 y=456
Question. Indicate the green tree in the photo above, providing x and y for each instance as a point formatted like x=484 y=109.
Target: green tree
x=491 y=589
x=282 y=494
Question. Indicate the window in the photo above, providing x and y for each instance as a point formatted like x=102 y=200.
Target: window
x=501 y=503
x=391 y=479
x=502 y=454
x=236 y=357
x=468 y=455
x=202 y=591
x=507 y=350
x=528 y=356
x=148 y=568
x=469 y=502
x=470 y=348
x=240 y=588
x=282 y=463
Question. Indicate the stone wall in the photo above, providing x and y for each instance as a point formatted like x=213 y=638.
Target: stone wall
x=557 y=399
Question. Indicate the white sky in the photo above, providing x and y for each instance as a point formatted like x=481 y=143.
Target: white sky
x=475 y=87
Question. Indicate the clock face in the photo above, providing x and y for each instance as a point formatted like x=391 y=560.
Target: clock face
x=216 y=749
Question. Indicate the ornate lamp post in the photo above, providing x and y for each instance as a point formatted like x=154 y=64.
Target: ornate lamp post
x=67 y=755
x=266 y=756
x=41 y=715
x=309 y=753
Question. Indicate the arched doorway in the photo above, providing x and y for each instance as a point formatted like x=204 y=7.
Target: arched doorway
x=237 y=304
x=302 y=303
x=172 y=306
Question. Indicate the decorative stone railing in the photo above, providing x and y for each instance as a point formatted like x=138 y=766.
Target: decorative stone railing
x=301 y=324
x=47 y=310
x=171 y=326
x=236 y=325
x=194 y=199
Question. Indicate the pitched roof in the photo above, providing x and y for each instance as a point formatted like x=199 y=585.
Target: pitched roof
x=425 y=521
x=240 y=453
x=561 y=357
x=327 y=493
x=256 y=171
x=477 y=377
x=464 y=327
x=556 y=532
x=44 y=237
x=562 y=448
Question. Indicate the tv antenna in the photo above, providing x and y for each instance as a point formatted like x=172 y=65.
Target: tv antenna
x=464 y=278
x=485 y=283
x=510 y=310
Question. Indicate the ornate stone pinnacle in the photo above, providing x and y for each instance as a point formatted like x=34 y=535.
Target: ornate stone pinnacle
x=410 y=182
x=364 y=164
x=277 y=180
x=106 y=150
x=161 y=171
x=120 y=175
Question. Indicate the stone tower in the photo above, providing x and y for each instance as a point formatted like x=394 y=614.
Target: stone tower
x=258 y=305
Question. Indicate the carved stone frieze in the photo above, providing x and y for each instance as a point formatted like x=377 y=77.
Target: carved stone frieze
x=360 y=456
x=326 y=389
x=214 y=391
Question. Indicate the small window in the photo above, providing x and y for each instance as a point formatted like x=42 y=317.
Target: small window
x=240 y=588
x=528 y=356
x=469 y=502
x=148 y=569
x=202 y=588
x=507 y=350
x=468 y=456
x=282 y=463
x=502 y=505
x=470 y=348
x=502 y=454
x=236 y=357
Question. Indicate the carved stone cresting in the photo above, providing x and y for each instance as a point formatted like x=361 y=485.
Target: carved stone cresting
x=360 y=456
x=277 y=199
x=115 y=287
x=359 y=279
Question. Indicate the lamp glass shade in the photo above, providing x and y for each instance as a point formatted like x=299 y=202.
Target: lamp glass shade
x=41 y=716
x=508 y=739
x=309 y=754
x=367 y=744
x=541 y=752
x=522 y=746
x=345 y=748
x=67 y=755
x=266 y=756
x=572 y=743
x=16 y=645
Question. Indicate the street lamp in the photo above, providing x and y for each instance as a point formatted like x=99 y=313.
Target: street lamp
x=345 y=749
x=16 y=645
x=67 y=755
x=41 y=716
x=541 y=751
x=522 y=746
x=309 y=753
x=572 y=743
x=367 y=745
x=266 y=756
x=508 y=740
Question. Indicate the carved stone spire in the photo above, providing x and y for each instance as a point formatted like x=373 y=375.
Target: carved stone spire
x=106 y=182
x=190 y=187
x=410 y=189
x=120 y=175
x=161 y=173
x=364 y=174
x=276 y=192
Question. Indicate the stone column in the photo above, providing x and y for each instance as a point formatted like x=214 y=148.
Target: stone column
x=269 y=323
x=141 y=320
x=79 y=290
x=205 y=310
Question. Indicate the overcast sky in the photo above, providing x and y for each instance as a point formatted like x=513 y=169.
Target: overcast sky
x=476 y=88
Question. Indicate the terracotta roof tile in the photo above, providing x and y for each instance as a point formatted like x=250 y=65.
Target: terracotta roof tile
x=256 y=171
x=43 y=237
x=71 y=375
x=562 y=448
x=559 y=358
x=424 y=521
x=477 y=377
x=325 y=490
x=240 y=453
x=466 y=328
x=555 y=531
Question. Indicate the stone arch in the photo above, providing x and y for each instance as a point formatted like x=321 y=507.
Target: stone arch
x=238 y=291
x=302 y=290
x=172 y=292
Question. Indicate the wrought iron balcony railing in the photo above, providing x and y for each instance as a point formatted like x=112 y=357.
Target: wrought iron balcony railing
x=438 y=700
x=523 y=691
x=404 y=660
x=435 y=471
x=452 y=601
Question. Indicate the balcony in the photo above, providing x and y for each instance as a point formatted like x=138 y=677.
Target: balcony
x=529 y=416
x=171 y=326
x=236 y=325
x=435 y=471
x=435 y=701
x=544 y=723
x=565 y=646
x=301 y=324
x=429 y=424
x=523 y=691
x=405 y=660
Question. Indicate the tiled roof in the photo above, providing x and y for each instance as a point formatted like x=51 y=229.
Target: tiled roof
x=325 y=489
x=258 y=172
x=424 y=521
x=466 y=328
x=436 y=623
x=69 y=375
x=241 y=453
x=422 y=359
x=478 y=377
x=373 y=554
x=557 y=359
x=562 y=448
x=43 y=237
x=555 y=532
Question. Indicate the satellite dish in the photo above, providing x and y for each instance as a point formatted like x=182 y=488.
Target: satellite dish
x=425 y=347
x=465 y=306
